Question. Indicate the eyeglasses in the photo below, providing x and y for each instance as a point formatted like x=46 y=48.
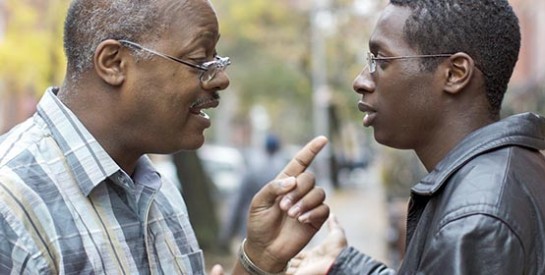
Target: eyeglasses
x=372 y=59
x=209 y=69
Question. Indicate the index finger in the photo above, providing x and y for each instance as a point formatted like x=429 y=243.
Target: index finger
x=302 y=160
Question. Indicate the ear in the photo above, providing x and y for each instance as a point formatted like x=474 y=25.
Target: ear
x=459 y=72
x=109 y=63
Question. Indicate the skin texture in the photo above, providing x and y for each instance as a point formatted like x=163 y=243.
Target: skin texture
x=409 y=108
x=318 y=260
x=134 y=106
x=151 y=96
x=404 y=107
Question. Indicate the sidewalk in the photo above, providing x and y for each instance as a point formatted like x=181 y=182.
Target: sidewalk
x=361 y=209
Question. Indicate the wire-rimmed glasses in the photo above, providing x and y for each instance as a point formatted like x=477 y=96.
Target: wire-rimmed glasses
x=209 y=69
x=372 y=59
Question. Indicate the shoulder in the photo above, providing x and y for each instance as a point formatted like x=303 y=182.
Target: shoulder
x=502 y=184
x=22 y=141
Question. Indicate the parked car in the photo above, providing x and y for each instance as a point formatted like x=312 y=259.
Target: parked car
x=225 y=165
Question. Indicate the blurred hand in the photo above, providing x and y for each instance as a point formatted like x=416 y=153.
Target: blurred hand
x=318 y=260
x=286 y=213
x=217 y=270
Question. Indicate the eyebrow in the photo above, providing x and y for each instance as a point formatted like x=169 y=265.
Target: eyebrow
x=209 y=35
x=374 y=45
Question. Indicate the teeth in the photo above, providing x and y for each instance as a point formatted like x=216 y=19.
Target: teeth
x=205 y=115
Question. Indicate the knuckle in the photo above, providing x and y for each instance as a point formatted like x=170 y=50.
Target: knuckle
x=320 y=193
x=307 y=178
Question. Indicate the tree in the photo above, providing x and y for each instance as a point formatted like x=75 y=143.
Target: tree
x=30 y=54
x=196 y=189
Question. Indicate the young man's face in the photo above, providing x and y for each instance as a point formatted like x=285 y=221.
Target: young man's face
x=401 y=100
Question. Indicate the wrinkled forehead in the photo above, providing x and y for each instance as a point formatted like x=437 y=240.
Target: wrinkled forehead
x=191 y=7
x=191 y=15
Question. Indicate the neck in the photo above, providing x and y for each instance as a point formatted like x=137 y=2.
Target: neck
x=432 y=152
x=95 y=108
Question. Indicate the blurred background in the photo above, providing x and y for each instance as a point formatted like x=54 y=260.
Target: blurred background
x=291 y=78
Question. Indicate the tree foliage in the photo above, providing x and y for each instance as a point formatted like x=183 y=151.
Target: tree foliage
x=270 y=43
x=31 y=51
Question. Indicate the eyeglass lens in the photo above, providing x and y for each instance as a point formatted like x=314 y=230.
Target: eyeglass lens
x=371 y=63
x=213 y=67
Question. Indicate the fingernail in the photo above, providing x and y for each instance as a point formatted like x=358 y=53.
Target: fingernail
x=285 y=203
x=304 y=218
x=294 y=211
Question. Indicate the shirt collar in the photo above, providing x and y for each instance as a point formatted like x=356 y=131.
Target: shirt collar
x=146 y=175
x=88 y=161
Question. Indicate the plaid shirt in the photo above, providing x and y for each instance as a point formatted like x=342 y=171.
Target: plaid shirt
x=67 y=208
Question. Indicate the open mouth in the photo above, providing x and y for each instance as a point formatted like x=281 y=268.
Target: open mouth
x=198 y=107
x=200 y=113
x=370 y=115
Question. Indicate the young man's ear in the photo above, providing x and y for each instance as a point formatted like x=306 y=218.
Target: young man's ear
x=108 y=60
x=459 y=72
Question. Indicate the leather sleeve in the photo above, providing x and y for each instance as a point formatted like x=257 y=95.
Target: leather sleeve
x=467 y=244
x=351 y=261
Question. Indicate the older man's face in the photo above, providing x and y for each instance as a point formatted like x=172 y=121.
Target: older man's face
x=168 y=98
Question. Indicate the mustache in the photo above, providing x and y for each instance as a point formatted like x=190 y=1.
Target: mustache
x=214 y=97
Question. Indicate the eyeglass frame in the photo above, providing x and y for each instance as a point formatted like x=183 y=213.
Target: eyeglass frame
x=372 y=64
x=218 y=64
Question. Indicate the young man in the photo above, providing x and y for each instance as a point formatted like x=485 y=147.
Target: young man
x=77 y=193
x=437 y=72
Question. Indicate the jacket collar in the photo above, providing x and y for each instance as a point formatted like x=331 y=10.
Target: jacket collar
x=527 y=130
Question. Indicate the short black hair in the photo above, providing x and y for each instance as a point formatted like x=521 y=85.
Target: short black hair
x=487 y=30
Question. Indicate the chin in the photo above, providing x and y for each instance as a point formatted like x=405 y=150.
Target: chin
x=193 y=143
x=386 y=140
x=393 y=142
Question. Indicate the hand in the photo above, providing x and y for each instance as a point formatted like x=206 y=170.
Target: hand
x=217 y=270
x=287 y=212
x=318 y=260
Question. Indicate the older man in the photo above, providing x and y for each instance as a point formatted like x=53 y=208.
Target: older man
x=77 y=193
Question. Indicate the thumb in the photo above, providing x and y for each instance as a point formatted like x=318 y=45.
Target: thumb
x=333 y=223
x=336 y=236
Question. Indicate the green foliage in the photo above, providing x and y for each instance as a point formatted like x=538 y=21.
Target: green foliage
x=270 y=44
x=31 y=51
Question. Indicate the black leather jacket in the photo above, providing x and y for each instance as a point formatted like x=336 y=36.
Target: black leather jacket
x=480 y=211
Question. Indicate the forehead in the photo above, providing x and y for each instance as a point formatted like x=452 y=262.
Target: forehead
x=191 y=20
x=388 y=33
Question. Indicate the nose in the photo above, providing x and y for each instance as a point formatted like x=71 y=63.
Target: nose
x=363 y=82
x=219 y=82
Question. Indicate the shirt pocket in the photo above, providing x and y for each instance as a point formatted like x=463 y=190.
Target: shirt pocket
x=191 y=263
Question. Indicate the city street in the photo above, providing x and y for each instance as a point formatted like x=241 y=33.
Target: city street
x=361 y=209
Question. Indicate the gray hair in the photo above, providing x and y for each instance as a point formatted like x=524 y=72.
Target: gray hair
x=89 y=22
